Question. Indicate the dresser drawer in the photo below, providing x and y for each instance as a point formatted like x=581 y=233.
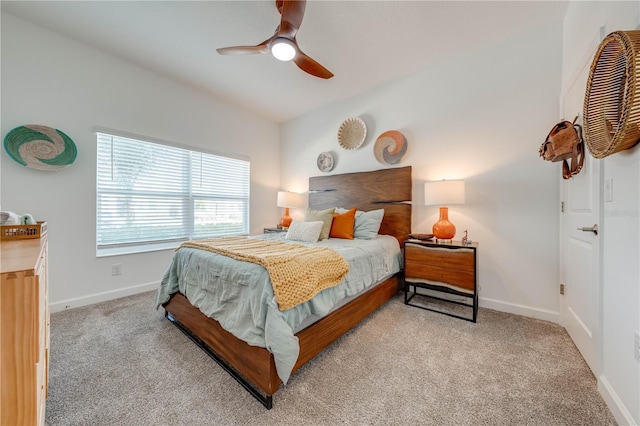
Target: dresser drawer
x=41 y=393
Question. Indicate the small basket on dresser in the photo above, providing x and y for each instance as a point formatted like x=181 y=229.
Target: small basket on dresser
x=23 y=232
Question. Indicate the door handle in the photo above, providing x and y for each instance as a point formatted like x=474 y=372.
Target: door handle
x=593 y=229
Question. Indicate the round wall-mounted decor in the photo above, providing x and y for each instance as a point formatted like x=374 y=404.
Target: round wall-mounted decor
x=352 y=133
x=390 y=147
x=611 y=113
x=40 y=147
x=325 y=162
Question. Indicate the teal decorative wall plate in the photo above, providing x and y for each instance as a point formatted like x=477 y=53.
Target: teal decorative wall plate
x=40 y=147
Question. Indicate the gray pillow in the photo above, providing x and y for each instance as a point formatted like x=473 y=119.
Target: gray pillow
x=367 y=223
x=326 y=216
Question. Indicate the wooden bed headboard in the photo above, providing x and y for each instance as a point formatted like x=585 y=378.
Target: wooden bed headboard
x=389 y=189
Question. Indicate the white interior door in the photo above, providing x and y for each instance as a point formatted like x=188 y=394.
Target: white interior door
x=580 y=247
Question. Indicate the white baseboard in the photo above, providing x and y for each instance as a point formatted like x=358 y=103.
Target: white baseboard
x=497 y=305
x=514 y=308
x=102 y=297
x=619 y=411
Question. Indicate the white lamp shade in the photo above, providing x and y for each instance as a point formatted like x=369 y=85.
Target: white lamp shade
x=289 y=199
x=444 y=192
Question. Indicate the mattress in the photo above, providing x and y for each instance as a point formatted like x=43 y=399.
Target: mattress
x=240 y=297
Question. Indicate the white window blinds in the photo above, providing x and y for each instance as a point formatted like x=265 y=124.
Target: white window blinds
x=150 y=195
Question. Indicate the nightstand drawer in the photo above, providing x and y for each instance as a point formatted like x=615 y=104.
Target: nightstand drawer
x=436 y=275
x=459 y=258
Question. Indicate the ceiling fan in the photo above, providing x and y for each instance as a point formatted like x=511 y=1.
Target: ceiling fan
x=282 y=44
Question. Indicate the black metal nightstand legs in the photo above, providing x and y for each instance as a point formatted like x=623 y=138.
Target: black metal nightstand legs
x=409 y=295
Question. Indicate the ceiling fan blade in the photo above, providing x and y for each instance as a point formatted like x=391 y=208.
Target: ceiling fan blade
x=292 y=12
x=239 y=50
x=245 y=50
x=308 y=65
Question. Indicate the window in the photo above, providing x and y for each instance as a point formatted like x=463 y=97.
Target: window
x=151 y=196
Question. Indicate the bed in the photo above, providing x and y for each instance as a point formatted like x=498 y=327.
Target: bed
x=254 y=366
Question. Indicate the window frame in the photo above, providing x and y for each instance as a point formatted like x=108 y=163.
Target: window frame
x=189 y=201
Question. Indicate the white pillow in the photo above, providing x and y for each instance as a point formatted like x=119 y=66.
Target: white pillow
x=304 y=231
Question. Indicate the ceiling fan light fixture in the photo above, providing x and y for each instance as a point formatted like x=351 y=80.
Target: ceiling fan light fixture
x=283 y=49
x=282 y=44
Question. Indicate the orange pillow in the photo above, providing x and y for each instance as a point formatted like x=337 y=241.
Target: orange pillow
x=342 y=225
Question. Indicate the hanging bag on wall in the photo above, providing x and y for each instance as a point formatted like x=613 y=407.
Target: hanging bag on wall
x=564 y=143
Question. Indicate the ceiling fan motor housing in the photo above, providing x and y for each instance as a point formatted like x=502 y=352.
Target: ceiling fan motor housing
x=612 y=99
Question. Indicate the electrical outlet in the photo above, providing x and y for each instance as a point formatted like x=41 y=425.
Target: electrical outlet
x=116 y=269
x=636 y=346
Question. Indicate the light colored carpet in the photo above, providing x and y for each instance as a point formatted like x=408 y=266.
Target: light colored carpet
x=122 y=363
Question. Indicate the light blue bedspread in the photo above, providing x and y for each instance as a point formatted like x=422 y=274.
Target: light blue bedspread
x=240 y=297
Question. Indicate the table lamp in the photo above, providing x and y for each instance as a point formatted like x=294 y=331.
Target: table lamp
x=288 y=199
x=442 y=193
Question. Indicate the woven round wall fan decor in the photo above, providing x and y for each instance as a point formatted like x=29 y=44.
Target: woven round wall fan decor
x=612 y=100
x=352 y=133
x=40 y=147
x=390 y=147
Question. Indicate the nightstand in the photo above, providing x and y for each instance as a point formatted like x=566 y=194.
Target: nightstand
x=441 y=267
x=270 y=230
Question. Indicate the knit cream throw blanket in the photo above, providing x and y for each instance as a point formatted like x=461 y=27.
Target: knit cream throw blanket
x=297 y=272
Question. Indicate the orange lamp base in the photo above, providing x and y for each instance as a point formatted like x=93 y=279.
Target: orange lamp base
x=285 y=221
x=443 y=229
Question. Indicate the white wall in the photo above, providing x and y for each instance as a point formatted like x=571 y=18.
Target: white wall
x=481 y=117
x=51 y=80
x=619 y=378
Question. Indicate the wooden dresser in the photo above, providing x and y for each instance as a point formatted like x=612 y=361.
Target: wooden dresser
x=24 y=324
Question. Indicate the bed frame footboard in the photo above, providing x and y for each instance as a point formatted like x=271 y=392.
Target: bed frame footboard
x=254 y=367
x=266 y=400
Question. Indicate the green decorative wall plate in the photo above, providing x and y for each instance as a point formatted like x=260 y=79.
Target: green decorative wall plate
x=40 y=147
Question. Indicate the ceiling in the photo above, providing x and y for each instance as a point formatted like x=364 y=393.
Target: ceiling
x=364 y=43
